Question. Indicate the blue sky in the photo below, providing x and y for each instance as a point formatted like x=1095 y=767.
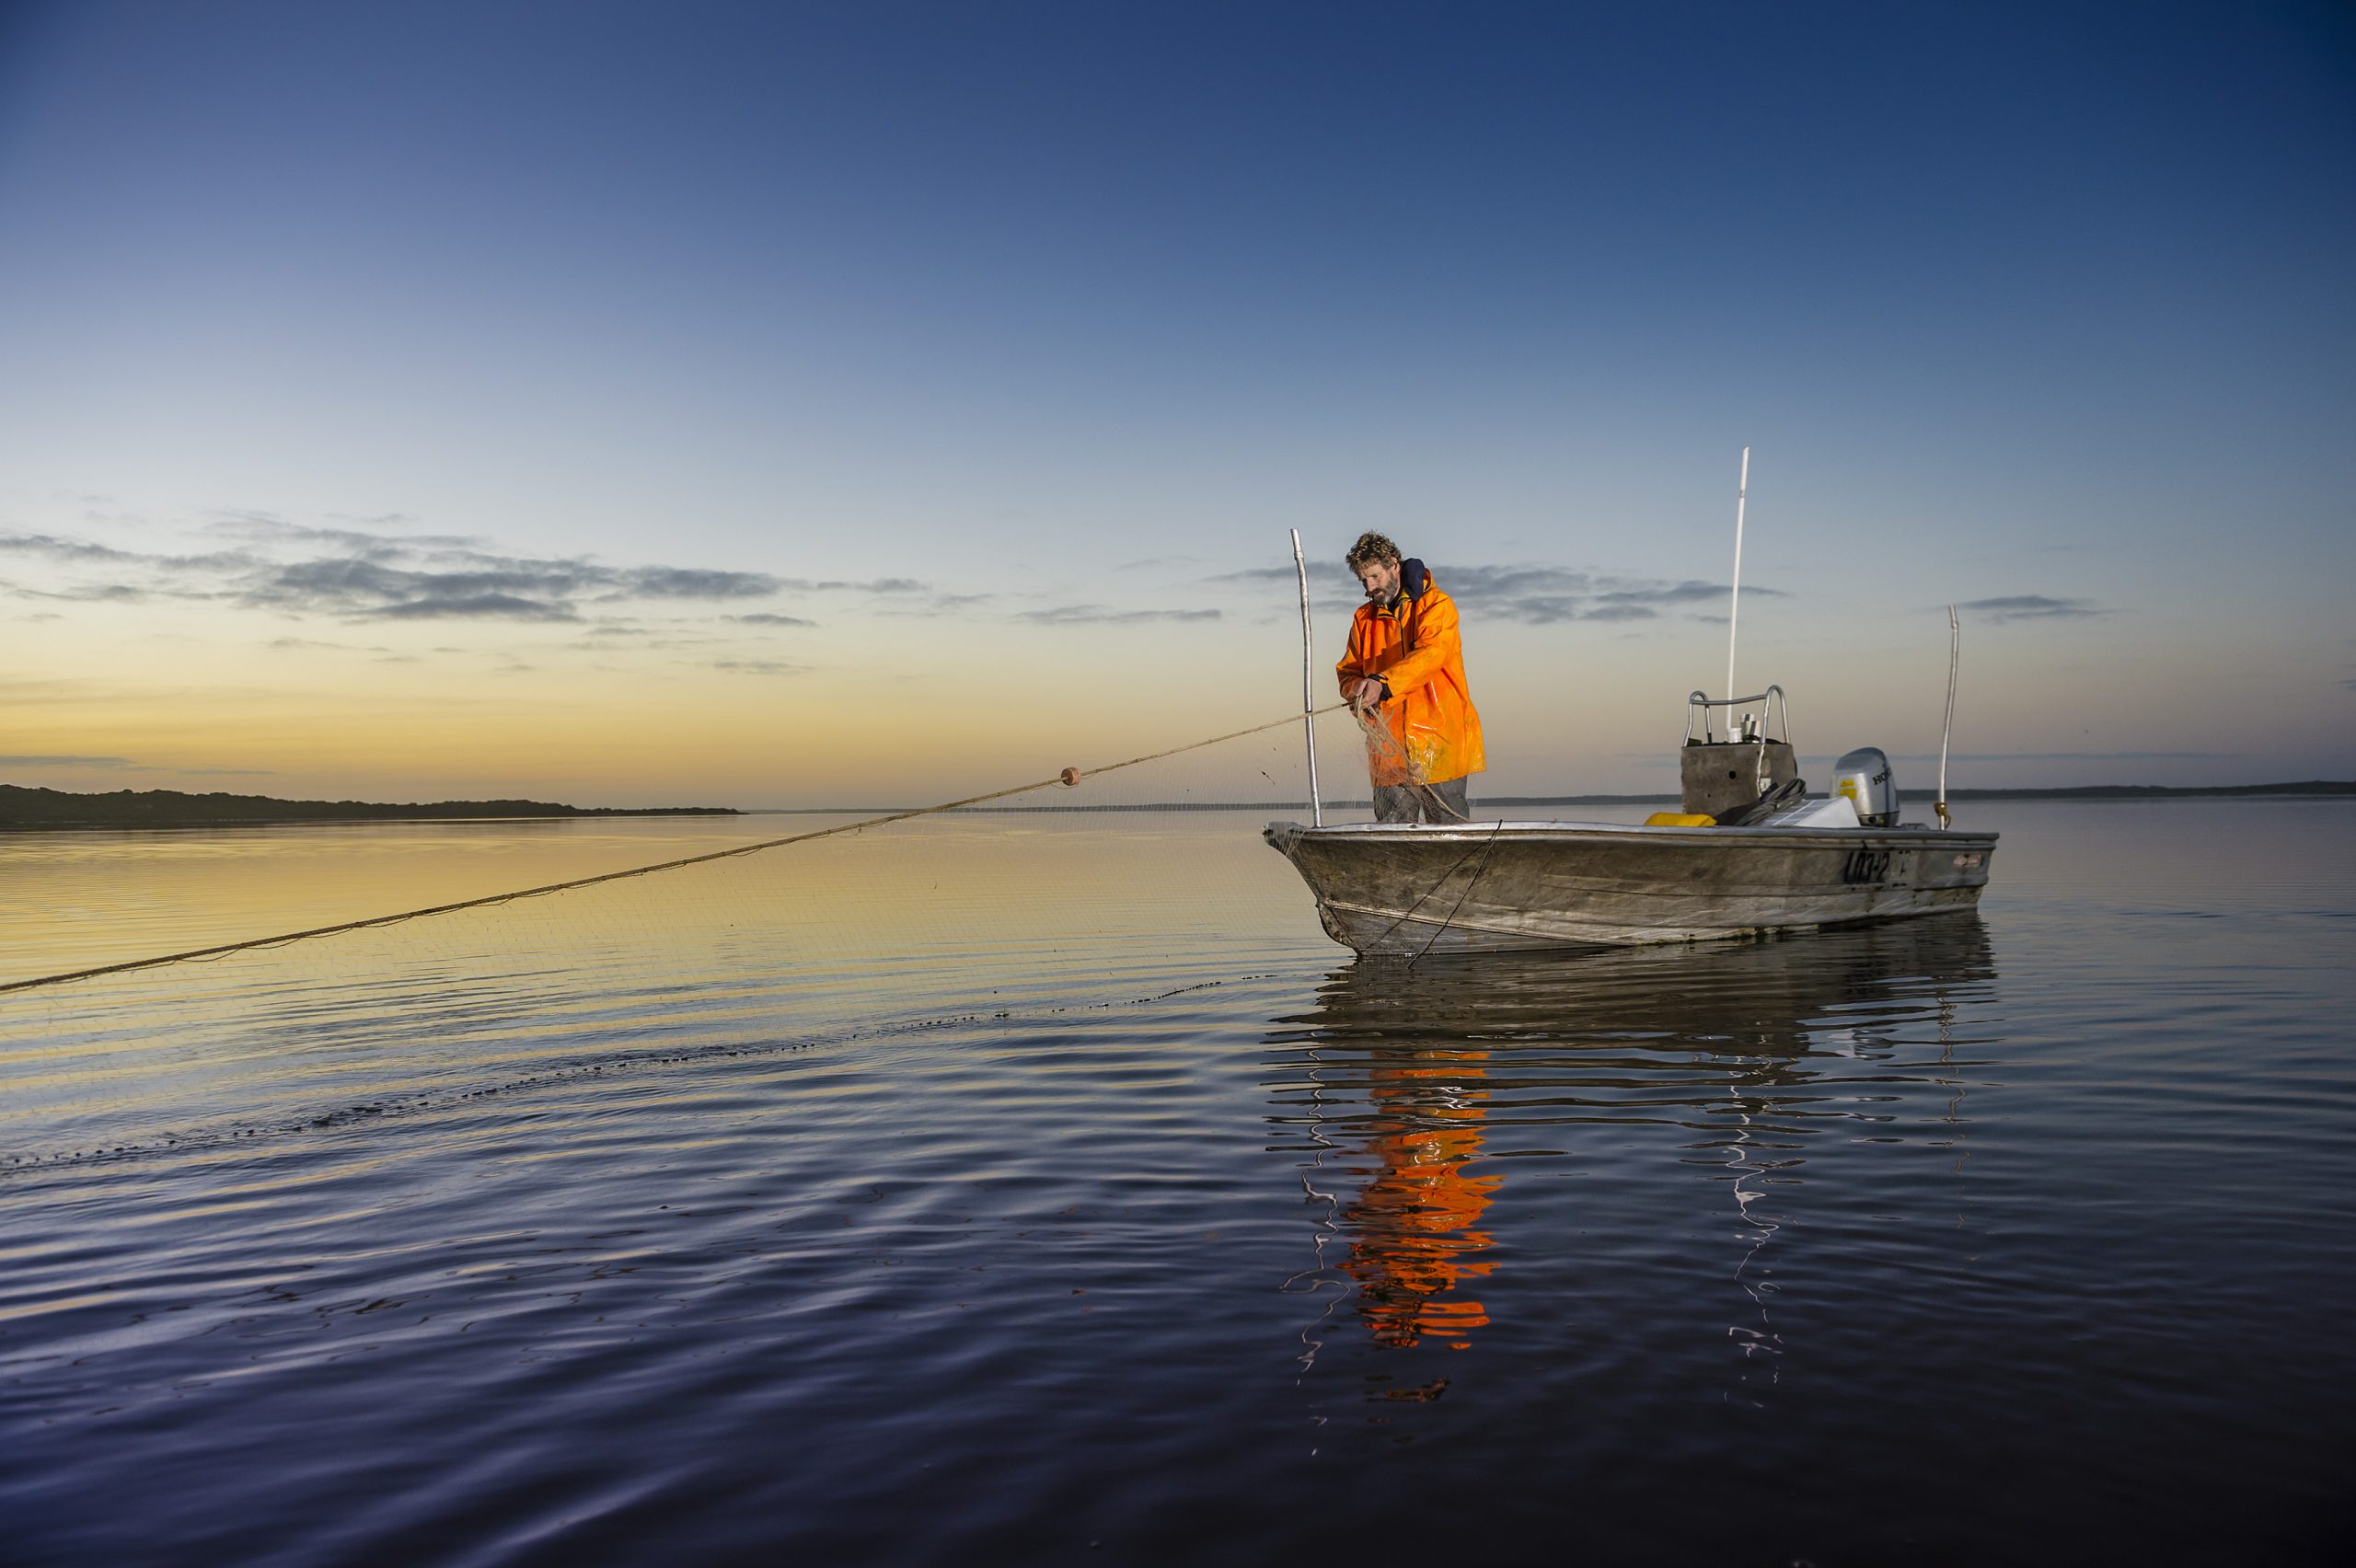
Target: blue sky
x=449 y=383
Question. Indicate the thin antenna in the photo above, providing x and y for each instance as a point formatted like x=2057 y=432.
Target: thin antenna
x=1955 y=654
x=1307 y=690
x=1734 y=604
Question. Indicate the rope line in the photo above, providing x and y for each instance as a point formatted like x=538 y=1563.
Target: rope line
x=1462 y=861
x=222 y=950
x=1470 y=883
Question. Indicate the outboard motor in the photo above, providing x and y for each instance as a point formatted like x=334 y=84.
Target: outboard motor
x=1864 y=777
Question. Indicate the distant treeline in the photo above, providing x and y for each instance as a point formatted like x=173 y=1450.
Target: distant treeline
x=2142 y=791
x=22 y=809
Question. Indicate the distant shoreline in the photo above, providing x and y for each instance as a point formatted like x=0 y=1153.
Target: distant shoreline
x=2325 y=788
x=24 y=809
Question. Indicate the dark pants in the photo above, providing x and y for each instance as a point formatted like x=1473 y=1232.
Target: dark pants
x=1422 y=803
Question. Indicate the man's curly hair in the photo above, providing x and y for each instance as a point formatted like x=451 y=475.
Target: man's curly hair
x=1371 y=546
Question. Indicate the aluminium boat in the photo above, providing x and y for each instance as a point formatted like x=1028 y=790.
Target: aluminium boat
x=1751 y=854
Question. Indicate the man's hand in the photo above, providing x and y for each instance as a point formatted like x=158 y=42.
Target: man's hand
x=1365 y=694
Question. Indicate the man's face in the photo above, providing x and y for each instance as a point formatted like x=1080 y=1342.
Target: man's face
x=1381 y=580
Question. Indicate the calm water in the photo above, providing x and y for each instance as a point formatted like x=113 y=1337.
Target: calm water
x=1050 y=1190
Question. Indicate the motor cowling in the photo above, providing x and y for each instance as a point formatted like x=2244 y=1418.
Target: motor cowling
x=1864 y=777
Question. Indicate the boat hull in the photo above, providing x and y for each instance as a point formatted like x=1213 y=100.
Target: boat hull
x=1479 y=887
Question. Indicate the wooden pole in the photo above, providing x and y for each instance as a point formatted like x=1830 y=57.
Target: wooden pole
x=1308 y=689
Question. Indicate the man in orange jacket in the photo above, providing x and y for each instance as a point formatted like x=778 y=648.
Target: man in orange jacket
x=1403 y=676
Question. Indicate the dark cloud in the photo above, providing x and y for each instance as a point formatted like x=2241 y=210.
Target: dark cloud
x=1687 y=592
x=766 y=617
x=1472 y=583
x=758 y=666
x=1546 y=597
x=608 y=635
x=932 y=604
x=687 y=582
x=87 y=553
x=270 y=528
x=1097 y=614
x=1549 y=596
x=356 y=575
x=1532 y=596
x=2031 y=606
x=872 y=586
x=307 y=644
x=355 y=588
x=93 y=593
x=473 y=607
x=55 y=548
x=124 y=765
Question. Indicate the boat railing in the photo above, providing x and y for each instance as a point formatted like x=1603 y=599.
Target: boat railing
x=1773 y=708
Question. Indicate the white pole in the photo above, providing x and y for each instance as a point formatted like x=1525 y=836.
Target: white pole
x=1734 y=603
x=1955 y=654
x=1308 y=689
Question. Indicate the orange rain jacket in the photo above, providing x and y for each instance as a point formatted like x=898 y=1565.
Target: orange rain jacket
x=1415 y=651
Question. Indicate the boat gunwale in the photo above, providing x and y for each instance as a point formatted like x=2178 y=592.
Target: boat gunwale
x=1504 y=830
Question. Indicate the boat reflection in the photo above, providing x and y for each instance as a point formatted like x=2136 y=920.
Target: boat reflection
x=1397 y=1084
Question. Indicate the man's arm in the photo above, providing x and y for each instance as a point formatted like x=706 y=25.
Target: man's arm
x=1352 y=669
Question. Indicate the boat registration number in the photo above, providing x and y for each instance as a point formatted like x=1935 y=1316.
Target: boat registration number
x=1865 y=866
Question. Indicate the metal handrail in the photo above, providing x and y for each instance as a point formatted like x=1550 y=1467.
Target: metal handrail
x=1775 y=705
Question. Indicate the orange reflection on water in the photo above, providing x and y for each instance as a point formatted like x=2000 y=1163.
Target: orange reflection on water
x=1412 y=1239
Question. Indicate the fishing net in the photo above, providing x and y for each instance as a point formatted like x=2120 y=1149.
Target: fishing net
x=499 y=953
